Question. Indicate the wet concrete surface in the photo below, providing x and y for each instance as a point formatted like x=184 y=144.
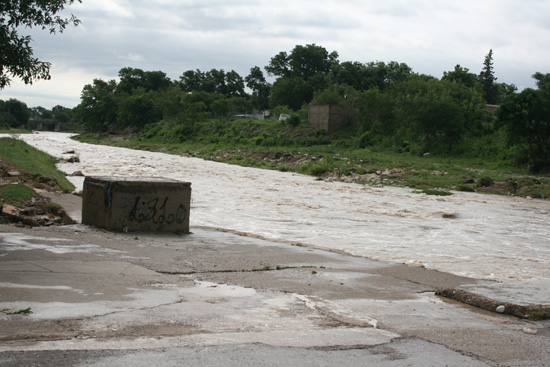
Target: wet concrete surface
x=403 y=352
x=212 y=296
x=72 y=204
x=523 y=294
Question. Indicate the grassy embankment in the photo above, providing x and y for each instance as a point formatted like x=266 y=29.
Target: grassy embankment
x=36 y=167
x=277 y=145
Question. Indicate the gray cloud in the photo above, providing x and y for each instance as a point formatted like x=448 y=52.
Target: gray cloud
x=175 y=36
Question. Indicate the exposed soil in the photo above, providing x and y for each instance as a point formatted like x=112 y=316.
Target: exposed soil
x=39 y=211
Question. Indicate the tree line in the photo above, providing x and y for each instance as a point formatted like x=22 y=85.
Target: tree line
x=389 y=105
x=15 y=114
x=141 y=97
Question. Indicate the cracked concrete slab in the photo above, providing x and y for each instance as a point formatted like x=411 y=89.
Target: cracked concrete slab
x=523 y=294
x=94 y=290
x=529 y=300
x=403 y=352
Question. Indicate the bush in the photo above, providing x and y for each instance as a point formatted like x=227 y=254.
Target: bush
x=317 y=168
x=434 y=192
x=294 y=120
x=465 y=188
x=485 y=182
x=364 y=140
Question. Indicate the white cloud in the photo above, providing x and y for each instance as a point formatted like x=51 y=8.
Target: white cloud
x=110 y=8
x=63 y=89
x=174 y=36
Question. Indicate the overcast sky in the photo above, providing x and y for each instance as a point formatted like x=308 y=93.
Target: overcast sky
x=173 y=36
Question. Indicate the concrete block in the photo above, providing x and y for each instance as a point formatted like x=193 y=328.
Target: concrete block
x=136 y=204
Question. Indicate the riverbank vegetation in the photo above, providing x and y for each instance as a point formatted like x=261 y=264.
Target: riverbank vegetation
x=32 y=165
x=337 y=158
x=25 y=174
x=462 y=131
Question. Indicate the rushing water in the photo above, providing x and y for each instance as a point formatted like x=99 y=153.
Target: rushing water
x=491 y=237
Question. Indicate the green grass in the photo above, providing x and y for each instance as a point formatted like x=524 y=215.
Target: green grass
x=15 y=131
x=250 y=144
x=16 y=194
x=31 y=160
x=25 y=311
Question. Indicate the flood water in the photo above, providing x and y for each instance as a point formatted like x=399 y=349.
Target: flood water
x=489 y=237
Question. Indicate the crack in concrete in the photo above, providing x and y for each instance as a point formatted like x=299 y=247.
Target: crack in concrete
x=264 y=269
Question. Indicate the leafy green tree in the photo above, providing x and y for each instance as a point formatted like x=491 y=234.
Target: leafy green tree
x=239 y=105
x=433 y=111
x=16 y=113
x=504 y=91
x=329 y=96
x=279 y=65
x=156 y=80
x=375 y=108
x=230 y=84
x=292 y=92
x=301 y=73
x=461 y=75
x=214 y=82
x=61 y=114
x=377 y=74
x=131 y=78
x=220 y=107
x=192 y=80
x=234 y=85
x=382 y=75
x=526 y=117
x=303 y=62
x=439 y=117
x=137 y=109
x=37 y=112
x=205 y=98
x=543 y=81
x=310 y=60
x=195 y=107
x=169 y=101
x=98 y=106
x=471 y=104
x=47 y=114
x=40 y=112
x=16 y=54
x=350 y=73
x=261 y=89
x=3 y=116
x=488 y=80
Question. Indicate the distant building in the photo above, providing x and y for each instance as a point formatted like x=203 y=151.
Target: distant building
x=492 y=107
x=245 y=116
x=330 y=118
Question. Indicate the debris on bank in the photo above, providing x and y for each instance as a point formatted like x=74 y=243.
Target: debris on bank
x=531 y=312
x=39 y=210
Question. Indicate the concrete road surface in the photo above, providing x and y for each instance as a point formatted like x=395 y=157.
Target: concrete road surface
x=74 y=295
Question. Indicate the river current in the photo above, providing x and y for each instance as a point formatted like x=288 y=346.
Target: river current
x=482 y=236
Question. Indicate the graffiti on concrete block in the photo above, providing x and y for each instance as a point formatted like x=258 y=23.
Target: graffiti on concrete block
x=156 y=211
